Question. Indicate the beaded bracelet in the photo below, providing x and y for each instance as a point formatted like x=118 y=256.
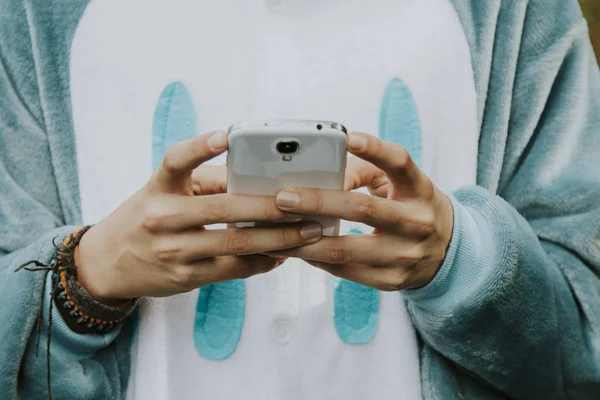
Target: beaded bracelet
x=65 y=302
x=80 y=311
x=74 y=302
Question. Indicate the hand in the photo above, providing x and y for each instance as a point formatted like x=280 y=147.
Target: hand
x=361 y=173
x=412 y=219
x=209 y=179
x=155 y=243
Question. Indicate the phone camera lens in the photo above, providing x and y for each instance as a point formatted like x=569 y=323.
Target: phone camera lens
x=319 y=127
x=287 y=147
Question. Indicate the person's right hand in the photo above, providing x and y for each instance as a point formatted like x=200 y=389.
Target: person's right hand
x=155 y=243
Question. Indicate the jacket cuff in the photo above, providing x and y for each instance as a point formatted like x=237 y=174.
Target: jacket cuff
x=66 y=343
x=481 y=235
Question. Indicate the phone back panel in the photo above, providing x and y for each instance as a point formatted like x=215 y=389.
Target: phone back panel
x=255 y=167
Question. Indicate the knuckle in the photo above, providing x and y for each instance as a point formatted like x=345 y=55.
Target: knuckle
x=397 y=219
x=425 y=224
x=239 y=242
x=428 y=190
x=197 y=148
x=319 y=203
x=154 y=218
x=338 y=254
x=182 y=277
x=269 y=210
x=366 y=209
x=402 y=161
x=397 y=280
x=408 y=259
x=166 y=253
x=373 y=147
x=216 y=212
x=374 y=256
x=169 y=163
x=284 y=238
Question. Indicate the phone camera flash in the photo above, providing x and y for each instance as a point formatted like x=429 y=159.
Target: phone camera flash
x=287 y=158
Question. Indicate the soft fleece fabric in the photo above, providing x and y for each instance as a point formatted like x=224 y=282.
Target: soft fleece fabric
x=512 y=312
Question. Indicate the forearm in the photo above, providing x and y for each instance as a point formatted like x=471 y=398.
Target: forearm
x=85 y=364
x=81 y=366
x=501 y=307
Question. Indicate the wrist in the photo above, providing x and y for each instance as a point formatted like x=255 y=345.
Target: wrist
x=88 y=270
x=445 y=228
x=441 y=239
x=471 y=258
x=81 y=312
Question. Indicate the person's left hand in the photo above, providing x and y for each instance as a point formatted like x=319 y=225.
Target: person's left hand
x=413 y=220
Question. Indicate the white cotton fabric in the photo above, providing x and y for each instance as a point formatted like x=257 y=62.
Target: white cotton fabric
x=266 y=59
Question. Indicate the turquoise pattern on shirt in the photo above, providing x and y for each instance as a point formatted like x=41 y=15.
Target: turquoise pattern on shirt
x=174 y=120
x=356 y=306
x=221 y=307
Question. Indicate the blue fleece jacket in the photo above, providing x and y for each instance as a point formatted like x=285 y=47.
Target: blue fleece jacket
x=514 y=309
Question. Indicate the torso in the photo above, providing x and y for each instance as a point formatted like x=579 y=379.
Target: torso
x=259 y=59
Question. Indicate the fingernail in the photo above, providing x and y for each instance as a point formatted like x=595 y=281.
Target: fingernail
x=356 y=142
x=218 y=141
x=311 y=231
x=287 y=199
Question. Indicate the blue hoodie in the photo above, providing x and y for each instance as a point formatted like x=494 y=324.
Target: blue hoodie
x=513 y=311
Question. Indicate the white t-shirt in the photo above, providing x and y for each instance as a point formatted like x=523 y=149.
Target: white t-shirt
x=267 y=59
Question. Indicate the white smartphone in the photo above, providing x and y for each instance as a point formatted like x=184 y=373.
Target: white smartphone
x=265 y=157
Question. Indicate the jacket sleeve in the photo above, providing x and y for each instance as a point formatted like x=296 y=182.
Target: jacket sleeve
x=31 y=218
x=516 y=302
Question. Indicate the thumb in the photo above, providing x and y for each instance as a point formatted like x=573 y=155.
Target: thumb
x=183 y=157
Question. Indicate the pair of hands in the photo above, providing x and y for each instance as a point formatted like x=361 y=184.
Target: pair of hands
x=155 y=243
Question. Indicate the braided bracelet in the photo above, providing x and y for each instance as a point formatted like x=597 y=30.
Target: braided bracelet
x=65 y=302
x=80 y=311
